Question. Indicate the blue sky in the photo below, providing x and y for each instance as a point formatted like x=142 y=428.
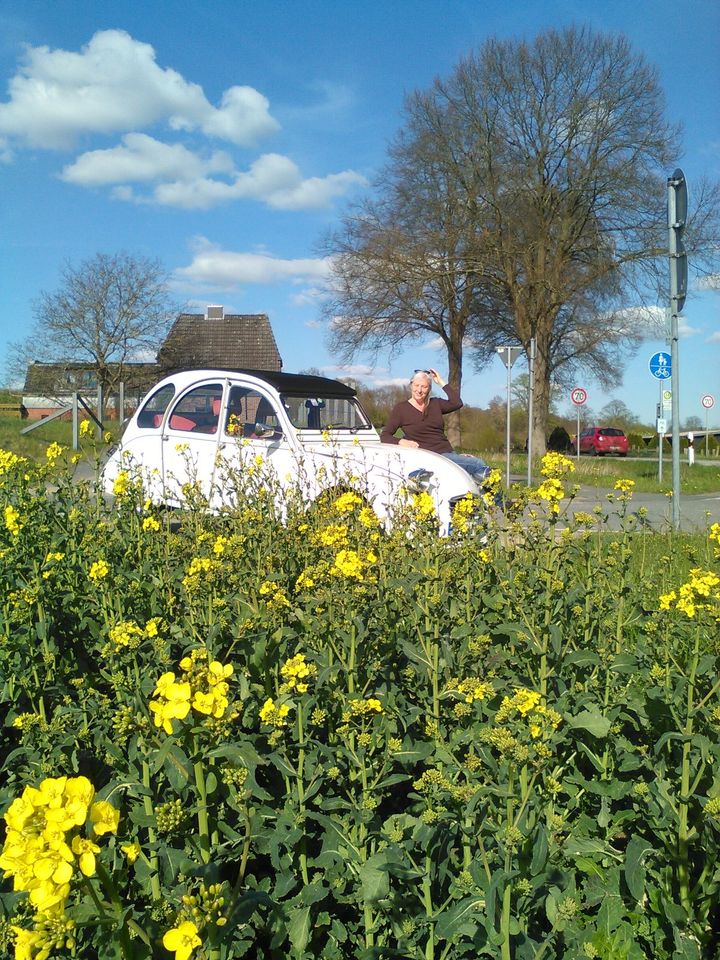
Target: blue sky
x=225 y=137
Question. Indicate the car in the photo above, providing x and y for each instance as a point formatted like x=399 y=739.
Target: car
x=196 y=429
x=597 y=441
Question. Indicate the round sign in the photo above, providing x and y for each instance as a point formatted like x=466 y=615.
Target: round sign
x=578 y=396
x=667 y=395
x=708 y=401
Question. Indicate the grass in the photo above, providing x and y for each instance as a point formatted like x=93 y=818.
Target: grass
x=33 y=445
x=604 y=471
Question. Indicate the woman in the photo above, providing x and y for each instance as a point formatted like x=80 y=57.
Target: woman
x=421 y=420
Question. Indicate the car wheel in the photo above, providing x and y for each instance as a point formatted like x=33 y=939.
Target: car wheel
x=593 y=451
x=623 y=454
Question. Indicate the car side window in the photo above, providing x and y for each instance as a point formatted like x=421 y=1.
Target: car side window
x=199 y=410
x=152 y=413
x=250 y=414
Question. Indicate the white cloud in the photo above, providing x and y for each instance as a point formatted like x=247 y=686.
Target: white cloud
x=350 y=370
x=313 y=324
x=714 y=337
x=142 y=158
x=272 y=179
x=709 y=282
x=114 y=84
x=213 y=267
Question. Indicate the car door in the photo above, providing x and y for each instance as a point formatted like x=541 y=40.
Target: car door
x=190 y=441
x=257 y=444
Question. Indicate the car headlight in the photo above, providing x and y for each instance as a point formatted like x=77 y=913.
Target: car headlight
x=420 y=478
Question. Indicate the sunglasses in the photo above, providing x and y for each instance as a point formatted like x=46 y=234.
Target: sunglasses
x=423 y=371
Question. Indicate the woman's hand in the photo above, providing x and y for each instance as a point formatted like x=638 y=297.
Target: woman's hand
x=408 y=443
x=436 y=377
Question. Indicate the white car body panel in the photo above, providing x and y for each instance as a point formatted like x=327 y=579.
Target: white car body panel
x=166 y=454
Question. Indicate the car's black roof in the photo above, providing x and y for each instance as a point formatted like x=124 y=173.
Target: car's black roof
x=298 y=384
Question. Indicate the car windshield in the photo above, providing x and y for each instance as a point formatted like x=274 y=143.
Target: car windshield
x=611 y=432
x=325 y=413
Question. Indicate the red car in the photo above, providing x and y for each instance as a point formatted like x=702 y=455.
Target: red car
x=597 y=441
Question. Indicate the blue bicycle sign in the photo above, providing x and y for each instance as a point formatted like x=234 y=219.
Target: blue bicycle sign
x=661 y=365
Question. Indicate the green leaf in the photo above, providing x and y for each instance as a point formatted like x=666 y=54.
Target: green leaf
x=592 y=721
x=374 y=878
x=299 y=929
x=462 y=918
x=540 y=851
x=636 y=851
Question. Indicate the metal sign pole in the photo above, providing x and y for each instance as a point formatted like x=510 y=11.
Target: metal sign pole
x=677 y=215
x=660 y=436
x=577 y=436
x=531 y=398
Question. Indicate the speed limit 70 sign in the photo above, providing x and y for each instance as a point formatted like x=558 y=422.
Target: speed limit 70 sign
x=578 y=396
x=708 y=401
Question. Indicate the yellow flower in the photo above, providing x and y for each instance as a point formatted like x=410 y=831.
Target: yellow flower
x=347 y=502
x=554 y=465
x=53 y=452
x=86 y=428
x=105 y=818
x=99 y=571
x=122 y=484
x=296 y=672
x=624 y=486
x=12 y=520
x=85 y=851
x=132 y=851
x=172 y=701
x=348 y=564
x=182 y=940
x=150 y=523
x=423 y=504
x=274 y=715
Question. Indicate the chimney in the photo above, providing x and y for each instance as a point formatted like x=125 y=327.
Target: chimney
x=214 y=312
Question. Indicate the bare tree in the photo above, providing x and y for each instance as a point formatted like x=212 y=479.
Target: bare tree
x=527 y=194
x=405 y=263
x=618 y=414
x=108 y=311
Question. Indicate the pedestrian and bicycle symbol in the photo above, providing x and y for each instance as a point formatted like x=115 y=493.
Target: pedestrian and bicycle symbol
x=661 y=365
x=578 y=396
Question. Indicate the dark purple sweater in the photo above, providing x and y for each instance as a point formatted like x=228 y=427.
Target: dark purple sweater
x=427 y=429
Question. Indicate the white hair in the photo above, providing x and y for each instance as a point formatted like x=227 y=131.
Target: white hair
x=421 y=373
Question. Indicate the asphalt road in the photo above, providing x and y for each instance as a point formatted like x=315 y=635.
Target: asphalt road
x=697 y=511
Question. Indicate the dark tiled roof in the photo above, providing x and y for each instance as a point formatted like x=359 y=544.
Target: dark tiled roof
x=52 y=379
x=234 y=340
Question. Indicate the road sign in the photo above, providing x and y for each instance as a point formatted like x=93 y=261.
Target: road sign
x=509 y=355
x=667 y=396
x=662 y=426
x=578 y=396
x=708 y=401
x=661 y=365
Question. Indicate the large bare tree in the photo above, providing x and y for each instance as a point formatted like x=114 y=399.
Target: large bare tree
x=108 y=311
x=524 y=199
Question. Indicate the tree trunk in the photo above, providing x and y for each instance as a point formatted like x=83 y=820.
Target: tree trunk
x=541 y=399
x=455 y=379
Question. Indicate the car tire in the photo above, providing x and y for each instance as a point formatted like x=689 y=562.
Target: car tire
x=623 y=454
x=593 y=451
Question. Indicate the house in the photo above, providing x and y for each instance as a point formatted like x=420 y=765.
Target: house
x=50 y=386
x=219 y=339
x=212 y=339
